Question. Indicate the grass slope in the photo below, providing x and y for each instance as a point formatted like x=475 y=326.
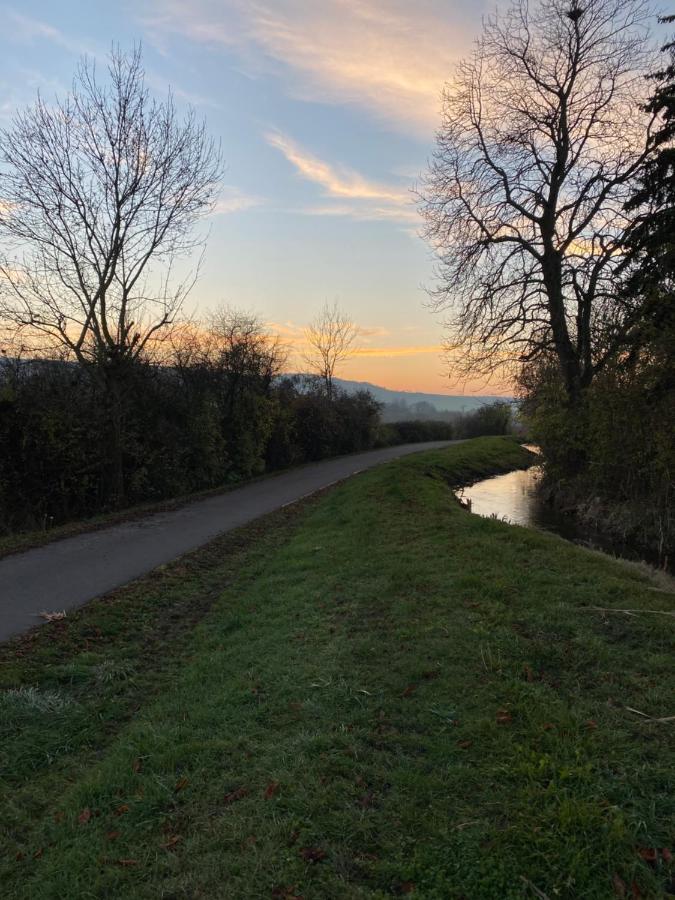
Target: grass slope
x=372 y=694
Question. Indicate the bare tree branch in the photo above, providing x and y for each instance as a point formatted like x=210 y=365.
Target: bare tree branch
x=331 y=339
x=100 y=195
x=543 y=132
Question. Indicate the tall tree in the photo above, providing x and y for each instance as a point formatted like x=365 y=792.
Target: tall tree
x=651 y=239
x=543 y=131
x=330 y=339
x=100 y=195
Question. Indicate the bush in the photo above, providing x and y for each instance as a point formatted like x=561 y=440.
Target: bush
x=489 y=420
x=414 y=432
x=612 y=458
x=201 y=423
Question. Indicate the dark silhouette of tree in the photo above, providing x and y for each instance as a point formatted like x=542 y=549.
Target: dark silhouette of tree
x=543 y=132
x=100 y=195
x=330 y=338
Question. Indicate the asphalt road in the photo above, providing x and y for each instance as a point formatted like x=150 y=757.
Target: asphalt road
x=69 y=572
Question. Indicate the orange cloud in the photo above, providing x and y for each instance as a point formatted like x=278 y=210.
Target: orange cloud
x=391 y=352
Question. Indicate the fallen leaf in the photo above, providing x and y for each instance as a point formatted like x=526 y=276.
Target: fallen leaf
x=619 y=885
x=548 y=726
x=121 y=810
x=409 y=690
x=285 y=893
x=181 y=784
x=38 y=853
x=233 y=796
x=649 y=855
x=127 y=862
x=53 y=616
x=464 y=744
x=271 y=789
x=171 y=843
x=312 y=854
x=84 y=816
x=591 y=724
x=113 y=835
x=504 y=717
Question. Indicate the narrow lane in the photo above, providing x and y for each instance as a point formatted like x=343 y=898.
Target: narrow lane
x=68 y=573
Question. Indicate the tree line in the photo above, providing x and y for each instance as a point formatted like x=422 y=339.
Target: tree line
x=215 y=411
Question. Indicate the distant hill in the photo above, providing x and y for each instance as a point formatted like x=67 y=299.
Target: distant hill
x=409 y=405
x=441 y=402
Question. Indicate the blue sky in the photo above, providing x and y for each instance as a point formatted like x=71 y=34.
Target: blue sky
x=326 y=110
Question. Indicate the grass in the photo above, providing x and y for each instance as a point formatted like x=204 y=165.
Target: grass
x=371 y=694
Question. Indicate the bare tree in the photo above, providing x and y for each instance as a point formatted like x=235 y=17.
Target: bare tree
x=542 y=134
x=233 y=350
x=100 y=195
x=330 y=338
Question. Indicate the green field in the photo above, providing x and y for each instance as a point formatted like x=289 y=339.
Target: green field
x=371 y=694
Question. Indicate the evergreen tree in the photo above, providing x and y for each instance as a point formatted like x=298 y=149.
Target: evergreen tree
x=651 y=242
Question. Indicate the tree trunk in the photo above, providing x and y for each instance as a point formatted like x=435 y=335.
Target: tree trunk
x=568 y=358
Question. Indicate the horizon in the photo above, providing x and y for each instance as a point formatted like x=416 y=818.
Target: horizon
x=326 y=118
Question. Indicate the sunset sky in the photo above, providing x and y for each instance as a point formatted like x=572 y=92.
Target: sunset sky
x=326 y=110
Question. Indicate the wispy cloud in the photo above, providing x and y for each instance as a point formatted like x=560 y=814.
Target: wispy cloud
x=390 y=57
x=27 y=30
x=368 y=199
x=24 y=29
x=338 y=182
x=293 y=335
x=160 y=85
x=389 y=352
x=232 y=200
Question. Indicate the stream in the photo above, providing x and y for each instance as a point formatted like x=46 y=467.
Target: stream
x=515 y=497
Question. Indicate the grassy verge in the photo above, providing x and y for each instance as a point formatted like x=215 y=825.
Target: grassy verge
x=373 y=694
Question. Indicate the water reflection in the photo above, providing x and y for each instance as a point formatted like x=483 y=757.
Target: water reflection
x=513 y=497
x=516 y=498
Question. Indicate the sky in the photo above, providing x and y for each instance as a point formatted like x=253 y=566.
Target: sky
x=326 y=111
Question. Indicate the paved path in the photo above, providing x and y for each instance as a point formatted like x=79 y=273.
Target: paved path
x=69 y=572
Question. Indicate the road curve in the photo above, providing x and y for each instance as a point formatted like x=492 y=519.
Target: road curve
x=69 y=572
